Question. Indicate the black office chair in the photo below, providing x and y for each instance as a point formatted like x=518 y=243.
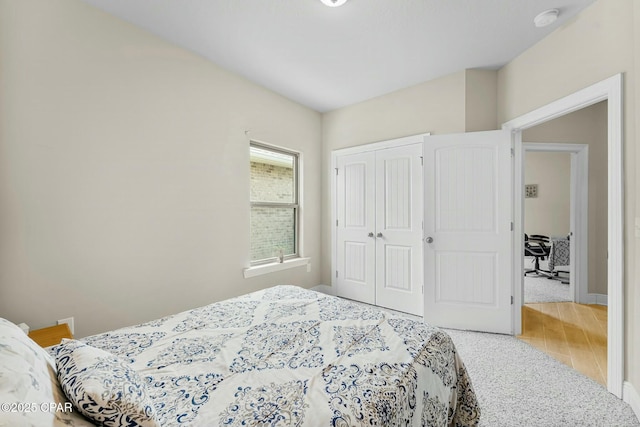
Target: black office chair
x=537 y=246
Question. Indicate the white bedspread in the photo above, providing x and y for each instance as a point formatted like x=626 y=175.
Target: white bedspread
x=286 y=356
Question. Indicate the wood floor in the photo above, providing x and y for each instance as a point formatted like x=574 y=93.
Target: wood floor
x=574 y=334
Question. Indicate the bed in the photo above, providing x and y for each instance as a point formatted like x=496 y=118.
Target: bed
x=283 y=356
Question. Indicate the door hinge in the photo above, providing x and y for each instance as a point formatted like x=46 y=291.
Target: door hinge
x=336 y=171
x=511 y=299
x=512 y=226
x=513 y=152
x=336 y=222
x=421 y=161
x=336 y=273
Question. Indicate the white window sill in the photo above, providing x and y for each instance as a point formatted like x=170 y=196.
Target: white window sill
x=259 y=270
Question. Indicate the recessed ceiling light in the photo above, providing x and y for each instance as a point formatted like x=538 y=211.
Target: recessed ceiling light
x=546 y=18
x=334 y=3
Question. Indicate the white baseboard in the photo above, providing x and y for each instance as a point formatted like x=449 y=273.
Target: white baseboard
x=324 y=289
x=598 y=299
x=631 y=396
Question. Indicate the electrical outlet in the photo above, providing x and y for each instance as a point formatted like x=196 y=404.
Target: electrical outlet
x=70 y=322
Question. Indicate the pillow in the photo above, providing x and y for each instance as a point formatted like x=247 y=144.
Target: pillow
x=29 y=389
x=103 y=387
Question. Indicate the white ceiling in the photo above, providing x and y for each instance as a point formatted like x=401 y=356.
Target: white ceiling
x=327 y=58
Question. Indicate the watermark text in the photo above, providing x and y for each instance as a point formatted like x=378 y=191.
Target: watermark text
x=25 y=407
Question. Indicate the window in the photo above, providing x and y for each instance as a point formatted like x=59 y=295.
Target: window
x=274 y=204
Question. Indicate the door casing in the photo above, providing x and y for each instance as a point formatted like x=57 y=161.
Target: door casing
x=609 y=90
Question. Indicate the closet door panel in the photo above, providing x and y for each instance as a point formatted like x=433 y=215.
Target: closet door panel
x=399 y=213
x=355 y=197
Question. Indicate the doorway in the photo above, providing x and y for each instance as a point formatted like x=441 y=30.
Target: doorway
x=611 y=91
x=556 y=317
x=559 y=211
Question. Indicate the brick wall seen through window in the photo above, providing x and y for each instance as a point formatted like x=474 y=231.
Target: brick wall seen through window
x=273 y=204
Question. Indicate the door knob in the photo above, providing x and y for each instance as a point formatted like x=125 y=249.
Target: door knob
x=428 y=239
x=379 y=235
x=370 y=234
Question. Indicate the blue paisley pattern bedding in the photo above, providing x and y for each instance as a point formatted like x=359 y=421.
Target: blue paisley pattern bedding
x=286 y=356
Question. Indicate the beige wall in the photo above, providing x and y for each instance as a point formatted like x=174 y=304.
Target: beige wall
x=122 y=197
x=586 y=126
x=481 y=91
x=595 y=45
x=548 y=213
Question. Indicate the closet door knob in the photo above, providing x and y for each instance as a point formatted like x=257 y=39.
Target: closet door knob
x=428 y=239
x=370 y=234
x=379 y=235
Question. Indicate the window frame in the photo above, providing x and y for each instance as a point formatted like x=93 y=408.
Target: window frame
x=295 y=205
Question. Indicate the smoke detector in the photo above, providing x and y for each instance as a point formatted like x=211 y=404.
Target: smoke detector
x=546 y=18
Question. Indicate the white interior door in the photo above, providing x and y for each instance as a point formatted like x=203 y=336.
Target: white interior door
x=468 y=194
x=356 y=242
x=399 y=216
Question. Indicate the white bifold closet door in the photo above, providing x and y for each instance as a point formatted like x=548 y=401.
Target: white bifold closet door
x=356 y=223
x=379 y=207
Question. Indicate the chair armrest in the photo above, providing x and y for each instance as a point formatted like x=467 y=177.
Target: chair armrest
x=536 y=247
